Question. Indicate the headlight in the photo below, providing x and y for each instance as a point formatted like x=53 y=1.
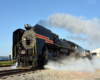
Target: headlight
x=23 y=52
x=26 y=25
x=23 y=38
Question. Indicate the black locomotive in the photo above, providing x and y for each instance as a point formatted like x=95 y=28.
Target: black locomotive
x=36 y=45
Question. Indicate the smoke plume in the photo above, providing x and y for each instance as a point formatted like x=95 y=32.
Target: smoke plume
x=14 y=66
x=83 y=65
x=79 y=38
x=76 y=25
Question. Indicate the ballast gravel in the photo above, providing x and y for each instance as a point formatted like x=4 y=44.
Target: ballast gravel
x=5 y=68
x=48 y=74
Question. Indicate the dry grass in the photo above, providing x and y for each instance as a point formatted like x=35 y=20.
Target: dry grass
x=4 y=63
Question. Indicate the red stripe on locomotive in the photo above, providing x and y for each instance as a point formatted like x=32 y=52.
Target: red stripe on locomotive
x=43 y=37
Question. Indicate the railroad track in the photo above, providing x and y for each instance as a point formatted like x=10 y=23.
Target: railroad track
x=14 y=71
x=6 y=66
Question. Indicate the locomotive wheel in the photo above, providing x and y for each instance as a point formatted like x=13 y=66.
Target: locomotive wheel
x=58 y=55
x=77 y=55
x=43 y=58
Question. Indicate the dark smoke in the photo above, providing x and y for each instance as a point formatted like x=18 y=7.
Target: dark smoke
x=43 y=23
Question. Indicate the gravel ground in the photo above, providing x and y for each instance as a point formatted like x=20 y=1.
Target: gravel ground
x=5 y=68
x=55 y=75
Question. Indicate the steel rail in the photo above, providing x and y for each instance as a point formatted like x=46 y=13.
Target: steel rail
x=15 y=71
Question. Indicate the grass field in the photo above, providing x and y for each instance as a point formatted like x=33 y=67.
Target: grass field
x=4 y=63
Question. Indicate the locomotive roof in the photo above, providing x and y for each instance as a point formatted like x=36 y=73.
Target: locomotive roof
x=18 y=30
x=43 y=28
x=74 y=43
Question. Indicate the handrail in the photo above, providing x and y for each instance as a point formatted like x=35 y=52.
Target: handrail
x=15 y=47
x=29 y=45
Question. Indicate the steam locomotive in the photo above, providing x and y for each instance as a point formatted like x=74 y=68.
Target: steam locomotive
x=36 y=45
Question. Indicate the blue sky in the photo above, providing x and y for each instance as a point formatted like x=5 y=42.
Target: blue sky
x=15 y=13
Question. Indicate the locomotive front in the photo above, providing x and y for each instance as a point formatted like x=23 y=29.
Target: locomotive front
x=24 y=47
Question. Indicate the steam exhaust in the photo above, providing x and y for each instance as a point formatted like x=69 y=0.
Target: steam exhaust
x=71 y=63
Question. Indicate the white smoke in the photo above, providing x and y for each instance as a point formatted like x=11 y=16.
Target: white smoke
x=76 y=25
x=96 y=62
x=83 y=65
x=14 y=66
x=79 y=38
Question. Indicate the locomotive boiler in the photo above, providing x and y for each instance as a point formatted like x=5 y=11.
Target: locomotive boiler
x=34 y=46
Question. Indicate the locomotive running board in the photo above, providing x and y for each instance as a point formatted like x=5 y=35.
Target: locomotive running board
x=22 y=68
